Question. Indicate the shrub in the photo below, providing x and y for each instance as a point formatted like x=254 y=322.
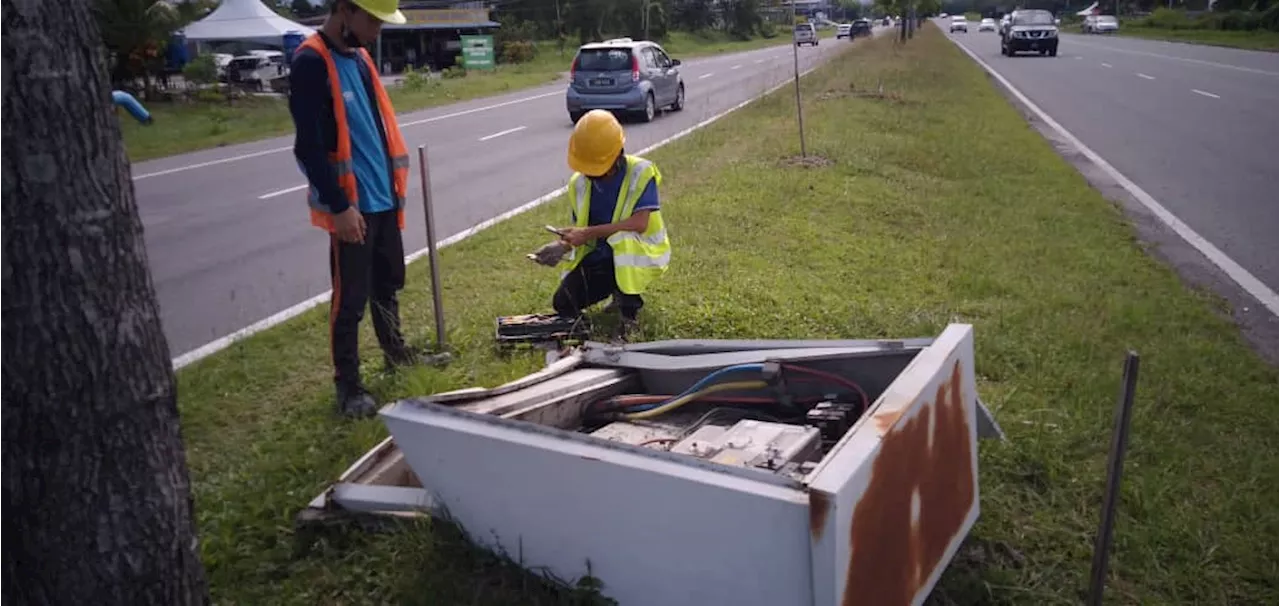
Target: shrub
x=456 y=71
x=201 y=70
x=520 y=51
x=415 y=80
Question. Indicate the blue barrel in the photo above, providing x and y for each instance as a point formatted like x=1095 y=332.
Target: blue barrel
x=292 y=40
x=176 y=53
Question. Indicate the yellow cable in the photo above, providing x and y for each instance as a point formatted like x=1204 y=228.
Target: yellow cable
x=682 y=400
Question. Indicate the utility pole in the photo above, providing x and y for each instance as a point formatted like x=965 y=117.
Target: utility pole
x=795 y=57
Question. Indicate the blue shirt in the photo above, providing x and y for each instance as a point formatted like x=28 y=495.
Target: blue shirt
x=604 y=200
x=368 y=150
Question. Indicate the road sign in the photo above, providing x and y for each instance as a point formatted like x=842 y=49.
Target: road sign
x=477 y=52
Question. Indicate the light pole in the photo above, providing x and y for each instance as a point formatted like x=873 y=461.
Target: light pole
x=795 y=57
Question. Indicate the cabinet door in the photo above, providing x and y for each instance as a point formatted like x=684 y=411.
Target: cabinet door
x=892 y=502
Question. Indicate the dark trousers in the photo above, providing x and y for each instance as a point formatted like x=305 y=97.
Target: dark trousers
x=369 y=273
x=587 y=285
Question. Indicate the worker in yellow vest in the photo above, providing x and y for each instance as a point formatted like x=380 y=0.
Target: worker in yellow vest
x=619 y=241
x=350 y=148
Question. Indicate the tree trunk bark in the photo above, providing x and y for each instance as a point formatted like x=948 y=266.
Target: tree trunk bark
x=95 y=491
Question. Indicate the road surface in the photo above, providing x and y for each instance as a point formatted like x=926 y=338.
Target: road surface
x=227 y=230
x=1193 y=126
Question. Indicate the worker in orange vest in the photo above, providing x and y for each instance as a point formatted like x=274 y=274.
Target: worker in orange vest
x=357 y=166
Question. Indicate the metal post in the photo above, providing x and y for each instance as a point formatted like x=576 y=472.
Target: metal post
x=432 y=257
x=1115 y=465
x=795 y=57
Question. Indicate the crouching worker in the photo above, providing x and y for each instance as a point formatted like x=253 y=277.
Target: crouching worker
x=619 y=242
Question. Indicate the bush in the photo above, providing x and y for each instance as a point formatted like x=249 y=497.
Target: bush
x=456 y=71
x=415 y=80
x=520 y=51
x=201 y=70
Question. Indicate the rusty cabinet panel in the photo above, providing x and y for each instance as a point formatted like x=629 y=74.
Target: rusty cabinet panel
x=890 y=507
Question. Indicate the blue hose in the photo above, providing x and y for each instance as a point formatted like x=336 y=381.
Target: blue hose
x=705 y=381
x=131 y=105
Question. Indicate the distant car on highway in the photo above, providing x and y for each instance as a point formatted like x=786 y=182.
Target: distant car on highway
x=842 y=30
x=887 y=22
x=624 y=75
x=806 y=33
x=987 y=25
x=861 y=27
x=959 y=24
x=1100 y=24
x=1004 y=23
x=1030 y=30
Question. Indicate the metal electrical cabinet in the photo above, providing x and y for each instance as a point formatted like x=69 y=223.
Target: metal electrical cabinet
x=874 y=520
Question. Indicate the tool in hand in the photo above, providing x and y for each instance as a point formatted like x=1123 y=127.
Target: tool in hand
x=551 y=253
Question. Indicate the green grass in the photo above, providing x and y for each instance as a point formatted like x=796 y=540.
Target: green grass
x=185 y=127
x=1256 y=40
x=909 y=228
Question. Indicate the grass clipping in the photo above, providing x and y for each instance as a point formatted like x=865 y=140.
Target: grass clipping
x=910 y=227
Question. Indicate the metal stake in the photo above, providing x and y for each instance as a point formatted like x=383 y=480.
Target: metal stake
x=1115 y=465
x=795 y=57
x=432 y=257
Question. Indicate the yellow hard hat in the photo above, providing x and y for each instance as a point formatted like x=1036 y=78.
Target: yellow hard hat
x=595 y=143
x=386 y=10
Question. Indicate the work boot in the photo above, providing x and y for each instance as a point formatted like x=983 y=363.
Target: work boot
x=414 y=357
x=355 y=402
x=627 y=328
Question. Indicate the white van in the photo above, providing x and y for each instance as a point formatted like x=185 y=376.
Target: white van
x=806 y=33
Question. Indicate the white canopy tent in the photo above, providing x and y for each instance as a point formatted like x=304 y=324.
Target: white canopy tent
x=243 y=20
x=1088 y=11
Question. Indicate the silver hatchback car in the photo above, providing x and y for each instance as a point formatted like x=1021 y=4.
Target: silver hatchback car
x=624 y=75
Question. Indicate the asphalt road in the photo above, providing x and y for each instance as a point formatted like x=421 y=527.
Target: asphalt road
x=227 y=230
x=1194 y=126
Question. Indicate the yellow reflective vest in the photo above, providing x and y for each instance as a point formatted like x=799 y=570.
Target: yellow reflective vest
x=638 y=258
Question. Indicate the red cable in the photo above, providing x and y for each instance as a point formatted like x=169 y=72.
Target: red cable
x=834 y=378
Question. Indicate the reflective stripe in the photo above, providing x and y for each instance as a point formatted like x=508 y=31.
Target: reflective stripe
x=581 y=202
x=400 y=162
x=644 y=261
x=636 y=170
x=656 y=239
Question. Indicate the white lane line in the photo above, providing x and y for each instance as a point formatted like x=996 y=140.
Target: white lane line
x=282 y=192
x=1106 y=65
x=1183 y=59
x=1238 y=274
x=759 y=61
x=264 y=152
x=706 y=75
x=736 y=67
x=284 y=315
x=503 y=132
x=1205 y=93
x=1146 y=77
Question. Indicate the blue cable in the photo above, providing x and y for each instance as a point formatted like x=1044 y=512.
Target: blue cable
x=131 y=105
x=704 y=382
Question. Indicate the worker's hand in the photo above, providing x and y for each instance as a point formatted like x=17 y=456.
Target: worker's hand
x=350 y=225
x=550 y=254
x=575 y=236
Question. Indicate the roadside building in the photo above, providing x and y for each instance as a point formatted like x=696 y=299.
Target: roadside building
x=431 y=36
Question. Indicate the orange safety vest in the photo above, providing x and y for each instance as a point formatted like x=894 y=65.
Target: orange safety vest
x=341 y=159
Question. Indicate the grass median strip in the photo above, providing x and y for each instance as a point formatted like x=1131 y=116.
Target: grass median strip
x=191 y=126
x=896 y=227
x=1261 y=40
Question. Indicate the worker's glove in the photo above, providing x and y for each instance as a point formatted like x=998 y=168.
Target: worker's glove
x=550 y=254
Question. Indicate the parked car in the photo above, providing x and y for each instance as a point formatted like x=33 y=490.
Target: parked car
x=624 y=75
x=1100 y=24
x=806 y=33
x=861 y=27
x=257 y=70
x=959 y=24
x=987 y=25
x=1030 y=30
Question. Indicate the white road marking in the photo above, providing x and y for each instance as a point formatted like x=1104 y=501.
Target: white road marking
x=1144 y=76
x=284 y=315
x=1205 y=93
x=1106 y=65
x=1238 y=274
x=282 y=192
x=736 y=67
x=402 y=125
x=503 y=132
x=1183 y=59
x=759 y=61
x=706 y=75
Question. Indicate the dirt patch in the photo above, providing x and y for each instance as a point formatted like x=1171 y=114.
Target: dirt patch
x=876 y=94
x=809 y=161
